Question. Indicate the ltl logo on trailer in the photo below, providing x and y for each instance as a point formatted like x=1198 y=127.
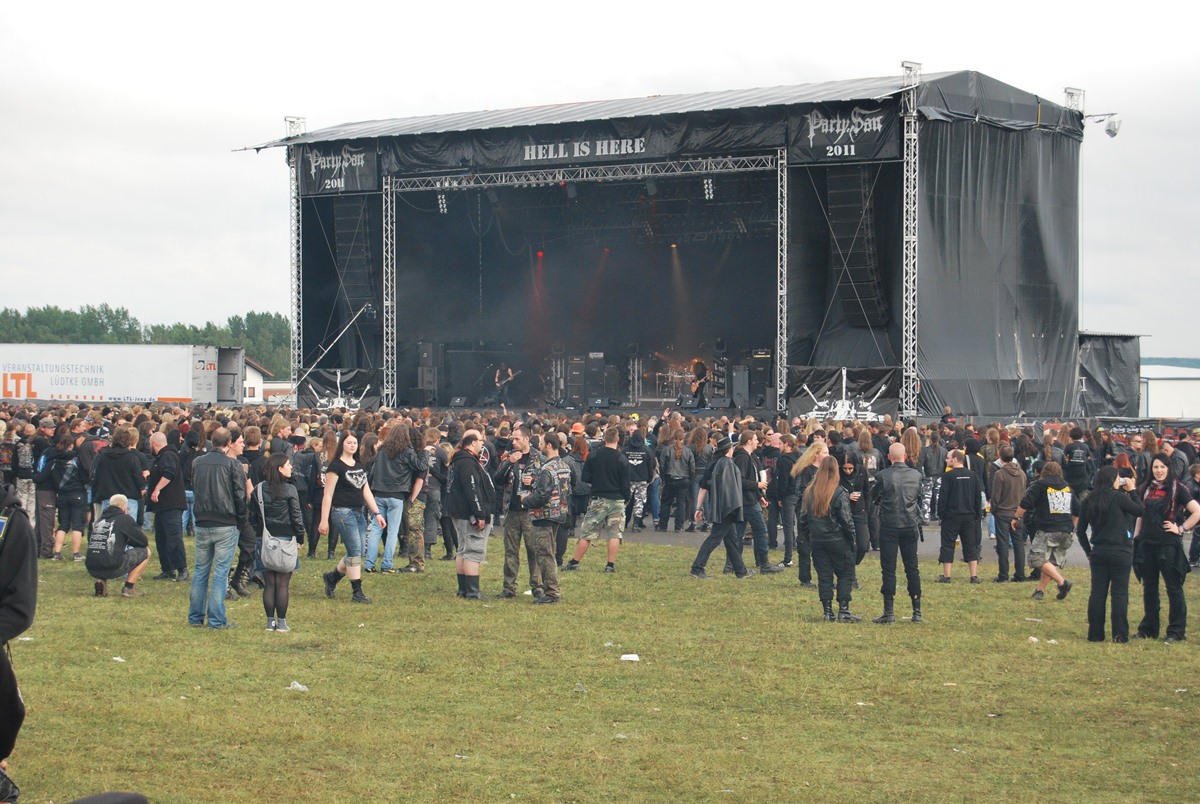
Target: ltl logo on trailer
x=206 y=365
x=12 y=383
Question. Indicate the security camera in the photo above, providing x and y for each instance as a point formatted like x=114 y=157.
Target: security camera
x=1112 y=126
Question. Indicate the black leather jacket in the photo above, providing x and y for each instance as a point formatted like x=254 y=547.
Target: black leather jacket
x=838 y=526
x=220 y=486
x=283 y=513
x=897 y=491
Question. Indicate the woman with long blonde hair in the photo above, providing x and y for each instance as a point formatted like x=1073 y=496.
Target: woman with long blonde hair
x=826 y=523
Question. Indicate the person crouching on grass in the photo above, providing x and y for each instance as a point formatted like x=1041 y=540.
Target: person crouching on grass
x=130 y=551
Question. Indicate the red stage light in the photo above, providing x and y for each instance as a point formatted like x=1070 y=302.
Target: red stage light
x=541 y=254
x=606 y=249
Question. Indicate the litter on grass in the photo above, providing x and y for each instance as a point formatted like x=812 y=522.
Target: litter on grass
x=25 y=639
x=1033 y=619
x=1033 y=639
x=118 y=659
x=298 y=687
x=630 y=657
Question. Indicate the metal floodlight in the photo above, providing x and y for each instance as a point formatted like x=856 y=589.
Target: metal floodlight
x=1112 y=126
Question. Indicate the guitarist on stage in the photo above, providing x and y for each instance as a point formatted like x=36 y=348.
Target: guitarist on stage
x=504 y=376
x=700 y=375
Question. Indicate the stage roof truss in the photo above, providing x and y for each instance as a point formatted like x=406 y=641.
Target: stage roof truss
x=627 y=172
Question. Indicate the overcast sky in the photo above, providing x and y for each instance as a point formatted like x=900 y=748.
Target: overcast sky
x=119 y=122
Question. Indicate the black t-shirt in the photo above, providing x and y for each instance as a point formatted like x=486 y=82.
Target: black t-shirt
x=1159 y=510
x=351 y=479
x=1077 y=465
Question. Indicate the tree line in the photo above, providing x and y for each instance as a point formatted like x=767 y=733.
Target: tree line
x=265 y=336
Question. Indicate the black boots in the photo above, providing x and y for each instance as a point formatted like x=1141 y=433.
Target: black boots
x=462 y=586
x=473 y=592
x=889 y=614
x=845 y=615
x=916 y=601
x=828 y=606
x=240 y=576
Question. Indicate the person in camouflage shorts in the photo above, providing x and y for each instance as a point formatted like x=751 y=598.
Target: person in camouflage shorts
x=608 y=473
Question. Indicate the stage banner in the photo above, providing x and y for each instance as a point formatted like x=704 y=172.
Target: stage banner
x=844 y=132
x=1122 y=428
x=845 y=394
x=339 y=168
x=351 y=389
x=596 y=142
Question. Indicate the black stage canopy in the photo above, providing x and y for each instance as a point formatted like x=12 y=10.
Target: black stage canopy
x=630 y=227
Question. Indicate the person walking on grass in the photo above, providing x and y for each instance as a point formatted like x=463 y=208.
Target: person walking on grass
x=607 y=472
x=719 y=501
x=347 y=493
x=826 y=521
x=1055 y=515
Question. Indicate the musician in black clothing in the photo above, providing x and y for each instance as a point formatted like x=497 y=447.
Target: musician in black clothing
x=504 y=376
x=699 y=383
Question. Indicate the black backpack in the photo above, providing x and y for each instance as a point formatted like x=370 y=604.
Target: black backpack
x=102 y=547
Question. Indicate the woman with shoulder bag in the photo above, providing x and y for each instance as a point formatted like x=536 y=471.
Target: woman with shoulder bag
x=275 y=512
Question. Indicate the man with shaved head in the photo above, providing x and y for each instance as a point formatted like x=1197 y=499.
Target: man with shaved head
x=167 y=501
x=897 y=492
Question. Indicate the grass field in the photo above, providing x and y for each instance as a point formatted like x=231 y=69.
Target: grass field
x=740 y=693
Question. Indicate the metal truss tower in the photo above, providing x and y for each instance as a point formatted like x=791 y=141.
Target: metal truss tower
x=389 y=295
x=295 y=126
x=911 y=383
x=781 y=275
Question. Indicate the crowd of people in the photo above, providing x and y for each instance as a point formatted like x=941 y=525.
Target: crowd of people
x=389 y=486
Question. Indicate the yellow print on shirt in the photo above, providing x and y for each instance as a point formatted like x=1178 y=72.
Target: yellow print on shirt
x=1059 y=500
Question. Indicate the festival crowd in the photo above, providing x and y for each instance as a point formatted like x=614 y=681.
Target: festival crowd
x=382 y=491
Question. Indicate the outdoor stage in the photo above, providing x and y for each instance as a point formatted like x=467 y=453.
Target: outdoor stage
x=921 y=232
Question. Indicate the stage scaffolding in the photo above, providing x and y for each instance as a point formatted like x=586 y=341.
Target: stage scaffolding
x=393 y=185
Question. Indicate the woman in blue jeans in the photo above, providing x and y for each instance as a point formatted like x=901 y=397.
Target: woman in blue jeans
x=346 y=495
x=390 y=483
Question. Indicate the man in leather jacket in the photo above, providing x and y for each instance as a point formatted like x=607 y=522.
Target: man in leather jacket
x=897 y=492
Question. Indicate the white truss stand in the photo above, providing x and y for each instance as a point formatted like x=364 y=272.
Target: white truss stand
x=910 y=384
x=295 y=125
x=389 y=294
x=781 y=269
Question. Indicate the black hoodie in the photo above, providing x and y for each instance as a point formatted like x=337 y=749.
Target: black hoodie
x=18 y=568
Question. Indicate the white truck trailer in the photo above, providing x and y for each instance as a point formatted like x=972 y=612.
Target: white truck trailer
x=49 y=373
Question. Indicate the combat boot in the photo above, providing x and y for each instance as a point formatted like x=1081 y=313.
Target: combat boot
x=889 y=614
x=828 y=606
x=844 y=614
x=916 y=601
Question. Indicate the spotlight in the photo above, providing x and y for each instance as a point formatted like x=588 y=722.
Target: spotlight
x=541 y=254
x=674 y=246
x=442 y=203
x=708 y=190
x=651 y=187
x=1112 y=126
x=606 y=249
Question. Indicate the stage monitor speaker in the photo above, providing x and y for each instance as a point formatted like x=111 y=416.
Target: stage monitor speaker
x=720 y=403
x=458 y=402
x=597 y=402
